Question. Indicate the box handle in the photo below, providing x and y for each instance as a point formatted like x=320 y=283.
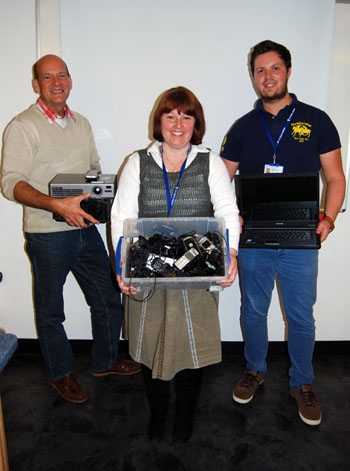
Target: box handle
x=228 y=247
x=118 y=256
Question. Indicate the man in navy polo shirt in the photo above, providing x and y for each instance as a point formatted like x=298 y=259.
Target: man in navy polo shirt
x=281 y=134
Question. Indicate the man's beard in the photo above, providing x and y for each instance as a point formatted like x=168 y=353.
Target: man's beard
x=274 y=98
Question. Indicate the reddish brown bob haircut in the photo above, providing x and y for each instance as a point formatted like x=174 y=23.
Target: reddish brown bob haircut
x=184 y=101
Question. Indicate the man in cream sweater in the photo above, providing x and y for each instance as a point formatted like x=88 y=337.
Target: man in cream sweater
x=42 y=141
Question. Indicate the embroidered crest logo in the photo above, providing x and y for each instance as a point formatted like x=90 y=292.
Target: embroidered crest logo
x=223 y=143
x=301 y=131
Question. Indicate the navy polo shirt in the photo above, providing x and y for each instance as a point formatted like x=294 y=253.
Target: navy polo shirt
x=310 y=133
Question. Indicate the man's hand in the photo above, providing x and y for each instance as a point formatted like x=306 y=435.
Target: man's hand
x=72 y=212
x=323 y=229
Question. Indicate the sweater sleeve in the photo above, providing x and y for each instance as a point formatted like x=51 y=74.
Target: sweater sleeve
x=17 y=156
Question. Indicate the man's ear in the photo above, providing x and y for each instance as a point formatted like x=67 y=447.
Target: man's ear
x=35 y=86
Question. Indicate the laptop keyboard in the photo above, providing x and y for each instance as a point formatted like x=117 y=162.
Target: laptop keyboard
x=297 y=234
x=279 y=214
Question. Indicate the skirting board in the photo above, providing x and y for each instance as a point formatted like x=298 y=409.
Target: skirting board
x=228 y=348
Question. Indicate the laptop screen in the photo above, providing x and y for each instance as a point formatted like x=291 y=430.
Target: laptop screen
x=279 y=187
x=259 y=194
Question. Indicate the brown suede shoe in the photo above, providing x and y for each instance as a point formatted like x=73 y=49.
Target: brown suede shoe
x=245 y=388
x=120 y=367
x=308 y=407
x=69 y=388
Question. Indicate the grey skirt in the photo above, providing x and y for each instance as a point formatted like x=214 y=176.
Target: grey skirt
x=173 y=330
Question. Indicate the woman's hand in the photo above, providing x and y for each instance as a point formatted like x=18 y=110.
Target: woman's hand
x=126 y=288
x=232 y=270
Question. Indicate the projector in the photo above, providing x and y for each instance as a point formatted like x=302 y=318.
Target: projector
x=101 y=186
x=73 y=184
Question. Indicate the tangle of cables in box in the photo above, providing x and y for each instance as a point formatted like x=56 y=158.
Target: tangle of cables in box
x=188 y=255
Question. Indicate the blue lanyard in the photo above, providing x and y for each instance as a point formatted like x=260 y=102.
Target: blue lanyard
x=171 y=198
x=273 y=143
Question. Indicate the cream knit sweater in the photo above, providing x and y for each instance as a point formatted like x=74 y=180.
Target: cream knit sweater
x=35 y=151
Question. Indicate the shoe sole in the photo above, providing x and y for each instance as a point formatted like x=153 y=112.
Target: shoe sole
x=100 y=375
x=240 y=400
x=309 y=421
x=73 y=401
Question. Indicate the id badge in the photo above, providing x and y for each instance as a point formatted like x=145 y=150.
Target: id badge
x=273 y=168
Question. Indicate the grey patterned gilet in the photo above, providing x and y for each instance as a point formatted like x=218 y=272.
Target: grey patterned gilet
x=193 y=198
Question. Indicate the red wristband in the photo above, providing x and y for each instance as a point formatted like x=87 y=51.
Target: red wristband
x=324 y=217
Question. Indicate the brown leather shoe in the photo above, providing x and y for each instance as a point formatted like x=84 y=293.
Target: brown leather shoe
x=120 y=367
x=69 y=388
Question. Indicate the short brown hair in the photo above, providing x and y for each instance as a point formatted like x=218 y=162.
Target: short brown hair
x=270 y=46
x=184 y=101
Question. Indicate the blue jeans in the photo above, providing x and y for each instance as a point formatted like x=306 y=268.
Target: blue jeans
x=82 y=252
x=297 y=275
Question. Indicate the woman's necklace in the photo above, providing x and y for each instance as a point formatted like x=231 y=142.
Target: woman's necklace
x=171 y=196
x=173 y=165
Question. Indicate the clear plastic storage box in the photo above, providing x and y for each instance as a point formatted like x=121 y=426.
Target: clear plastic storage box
x=173 y=253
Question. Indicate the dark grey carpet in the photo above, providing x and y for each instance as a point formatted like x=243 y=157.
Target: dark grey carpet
x=108 y=433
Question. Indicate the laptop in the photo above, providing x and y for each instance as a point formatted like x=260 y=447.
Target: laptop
x=279 y=210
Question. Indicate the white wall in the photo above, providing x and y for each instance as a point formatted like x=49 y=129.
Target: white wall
x=122 y=55
x=17 y=52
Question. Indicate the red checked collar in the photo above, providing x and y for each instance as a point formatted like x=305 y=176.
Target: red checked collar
x=50 y=114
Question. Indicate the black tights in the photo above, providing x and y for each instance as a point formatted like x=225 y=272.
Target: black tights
x=187 y=385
